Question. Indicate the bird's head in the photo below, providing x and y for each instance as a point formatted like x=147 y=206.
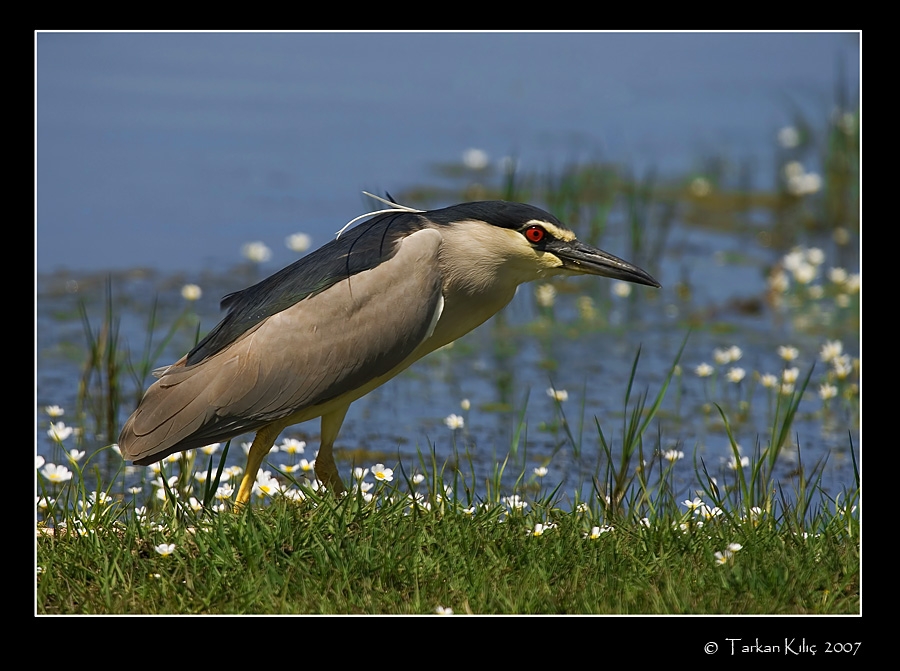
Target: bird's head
x=522 y=243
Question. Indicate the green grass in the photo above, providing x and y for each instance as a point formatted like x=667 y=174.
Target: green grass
x=325 y=556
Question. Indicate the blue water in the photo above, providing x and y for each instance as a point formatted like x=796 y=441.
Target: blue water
x=170 y=151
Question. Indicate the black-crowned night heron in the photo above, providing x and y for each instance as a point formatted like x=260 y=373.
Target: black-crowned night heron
x=331 y=327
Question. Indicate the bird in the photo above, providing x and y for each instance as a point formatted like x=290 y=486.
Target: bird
x=324 y=331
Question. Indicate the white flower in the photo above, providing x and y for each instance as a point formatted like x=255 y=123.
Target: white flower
x=805 y=273
x=837 y=275
x=380 y=472
x=294 y=494
x=799 y=182
x=545 y=294
x=736 y=374
x=38 y=461
x=210 y=449
x=360 y=473
x=540 y=529
x=465 y=404
x=768 y=380
x=54 y=411
x=700 y=187
x=730 y=355
x=586 y=308
x=225 y=492
x=162 y=494
x=440 y=610
x=789 y=376
x=475 y=159
x=418 y=501
x=727 y=555
x=515 y=502
x=707 y=512
x=257 y=252
x=693 y=505
x=815 y=256
x=812 y=182
x=841 y=366
x=57 y=474
x=191 y=292
x=558 y=394
x=830 y=350
x=454 y=422
x=704 y=370
x=99 y=498
x=793 y=259
x=621 y=289
x=827 y=391
x=298 y=242
x=233 y=472
x=789 y=137
x=734 y=464
x=788 y=353
x=59 y=431
x=673 y=455
x=266 y=485
x=76 y=455
x=540 y=471
x=165 y=549
x=596 y=532
x=779 y=281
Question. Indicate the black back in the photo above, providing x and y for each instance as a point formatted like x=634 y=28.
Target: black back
x=363 y=247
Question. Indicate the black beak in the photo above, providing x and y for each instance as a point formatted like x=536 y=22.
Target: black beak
x=581 y=258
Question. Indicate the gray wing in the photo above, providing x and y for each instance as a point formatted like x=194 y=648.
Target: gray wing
x=360 y=329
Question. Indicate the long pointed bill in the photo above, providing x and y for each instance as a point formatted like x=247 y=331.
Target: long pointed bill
x=581 y=258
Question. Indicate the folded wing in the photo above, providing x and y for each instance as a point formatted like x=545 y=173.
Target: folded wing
x=316 y=350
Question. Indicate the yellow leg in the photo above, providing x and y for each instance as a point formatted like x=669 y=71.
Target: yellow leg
x=326 y=469
x=262 y=443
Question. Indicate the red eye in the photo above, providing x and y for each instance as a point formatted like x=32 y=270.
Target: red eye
x=535 y=233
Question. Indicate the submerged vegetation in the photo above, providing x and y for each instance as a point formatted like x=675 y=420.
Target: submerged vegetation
x=647 y=518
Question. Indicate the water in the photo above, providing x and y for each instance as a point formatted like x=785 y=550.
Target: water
x=167 y=152
x=170 y=151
